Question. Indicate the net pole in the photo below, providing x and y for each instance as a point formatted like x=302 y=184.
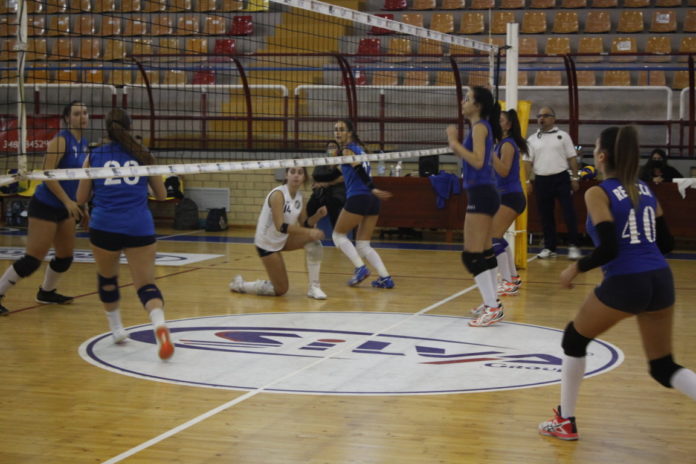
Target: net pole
x=21 y=47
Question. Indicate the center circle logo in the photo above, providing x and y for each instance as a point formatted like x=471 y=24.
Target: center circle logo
x=347 y=353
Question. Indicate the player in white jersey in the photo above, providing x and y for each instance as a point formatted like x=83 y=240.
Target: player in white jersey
x=283 y=226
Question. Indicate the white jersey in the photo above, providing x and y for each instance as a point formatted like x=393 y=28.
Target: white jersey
x=267 y=236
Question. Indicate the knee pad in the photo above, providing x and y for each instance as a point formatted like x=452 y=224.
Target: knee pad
x=26 y=266
x=149 y=292
x=500 y=245
x=108 y=295
x=662 y=370
x=61 y=264
x=314 y=251
x=339 y=238
x=574 y=344
x=363 y=247
x=474 y=262
x=490 y=257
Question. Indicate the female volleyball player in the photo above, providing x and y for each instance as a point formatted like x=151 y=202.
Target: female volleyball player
x=328 y=188
x=53 y=212
x=121 y=222
x=630 y=234
x=483 y=199
x=278 y=230
x=361 y=210
x=512 y=200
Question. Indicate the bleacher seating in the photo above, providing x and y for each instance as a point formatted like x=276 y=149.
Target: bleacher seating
x=663 y=21
x=597 y=22
x=380 y=30
x=617 y=78
x=482 y=4
x=416 y=78
x=453 y=4
x=566 y=22
x=442 y=22
x=395 y=5
x=242 y=25
x=225 y=47
x=472 y=23
x=414 y=19
x=630 y=21
x=533 y=22
x=512 y=4
x=423 y=5
x=656 y=77
x=500 y=20
x=385 y=78
x=369 y=47
x=548 y=78
x=661 y=46
x=204 y=77
x=626 y=46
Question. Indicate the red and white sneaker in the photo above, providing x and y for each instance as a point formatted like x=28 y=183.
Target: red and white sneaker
x=166 y=347
x=489 y=316
x=506 y=288
x=563 y=428
x=517 y=280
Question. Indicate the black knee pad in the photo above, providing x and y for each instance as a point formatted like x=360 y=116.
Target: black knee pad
x=149 y=292
x=489 y=256
x=662 y=370
x=474 y=262
x=26 y=266
x=108 y=295
x=573 y=343
x=61 y=264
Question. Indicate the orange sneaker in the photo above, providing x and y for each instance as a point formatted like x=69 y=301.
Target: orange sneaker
x=563 y=428
x=166 y=347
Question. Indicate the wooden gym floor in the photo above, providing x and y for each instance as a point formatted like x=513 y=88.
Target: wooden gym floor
x=57 y=408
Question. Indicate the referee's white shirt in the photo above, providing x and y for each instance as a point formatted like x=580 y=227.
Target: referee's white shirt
x=550 y=151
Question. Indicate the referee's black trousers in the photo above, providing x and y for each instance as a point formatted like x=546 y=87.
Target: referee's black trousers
x=547 y=190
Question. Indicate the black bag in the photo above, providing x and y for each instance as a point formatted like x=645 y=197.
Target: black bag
x=173 y=186
x=428 y=165
x=186 y=215
x=17 y=214
x=216 y=220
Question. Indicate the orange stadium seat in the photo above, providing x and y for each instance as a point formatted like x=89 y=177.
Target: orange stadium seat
x=472 y=23
x=442 y=22
x=482 y=4
x=34 y=6
x=229 y=6
x=478 y=78
x=8 y=26
x=62 y=49
x=617 y=78
x=548 y=78
x=522 y=78
x=385 y=78
x=39 y=76
x=574 y=4
x=380 y=30
x=533 y=22
x=528 y=46
x=605 y=3
x=153 y=77
x=85 y=25
x=114 y=49
x=168 y=46
x=94 y=75
x=205 y=6
x=680 y=80
x=430 y=47
x=67 y=75
x=174 y=77
x=661 y=46
x=187 y=24
x=7 y=52
x=242 y=25
x=225 y=47
x=161 y=25
x=179 y=5
x=687 y=45
x=512 y=4
x=414 y=19
x=154 y=6
x=656 y=77
x=423 y=5
x=90 y=49
x=110 y=25
x=104 y=6
x=630 y=21
x=36 y=25
x=690 y=21
x=370 y=47
x=566 y=22
x=196 y=46
x=453 y=4
x=636 y=3
x=37 y=49
x=557 y=46
x=395 y=5
x=597 y=22
x=663 y=21
x=500 y=20
x=120 y=77
x=58 y=25
x=130 y=6
x=623 y=45
x=142 y=47
x=590 y=45
x=668 y=3
x=204 y=77
x=586 y=78
x=416 y=78
x=135 y=25
x=445 y=78
x=214 y=25
x=397 y=48
x=56 y=6
x=542 y=4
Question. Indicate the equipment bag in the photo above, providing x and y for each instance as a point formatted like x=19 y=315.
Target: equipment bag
x=186 y=215
x=216 y=220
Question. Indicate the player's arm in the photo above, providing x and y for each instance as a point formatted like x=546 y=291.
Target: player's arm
x=159 y=191
x=664 y=238
x=54 y=153
x=503 y=164
x=365 y=177
x=476 y=157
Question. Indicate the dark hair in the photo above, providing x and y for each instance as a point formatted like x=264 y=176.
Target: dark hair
x=118 y=125
x=489 y=109
x=68 y=109
x=351 y=128
x=659 y=151
x=304 y=169
x=623 y=154
x=516 y=130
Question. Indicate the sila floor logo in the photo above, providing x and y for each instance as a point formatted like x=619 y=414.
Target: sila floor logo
x=348 y=353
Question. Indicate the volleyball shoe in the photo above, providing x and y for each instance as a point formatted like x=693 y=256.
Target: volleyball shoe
x=560 y=427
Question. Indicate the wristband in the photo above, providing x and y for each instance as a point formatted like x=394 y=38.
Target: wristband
x=284 y=228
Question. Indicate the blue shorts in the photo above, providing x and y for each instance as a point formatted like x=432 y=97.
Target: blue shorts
x=483 y=199
x=40 y=210
x=113 y=241
x=263 y=253
x=364 y=205
x=516 y=201
x=639 y=292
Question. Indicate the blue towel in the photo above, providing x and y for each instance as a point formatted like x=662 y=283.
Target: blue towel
x=445 y=184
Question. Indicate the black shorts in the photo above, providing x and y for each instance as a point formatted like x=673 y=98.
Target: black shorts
x=364 y=205
x=483 y=199
x=639 y=292
x=39 y=210
x=263 y=253
x=516 y=201
x=116 y=242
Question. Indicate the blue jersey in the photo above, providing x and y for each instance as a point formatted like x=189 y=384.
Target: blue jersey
x=74 y=157
x=119 y=203
x=511 y=182
x=354 y=184
x=635 y=230
x=486 y=175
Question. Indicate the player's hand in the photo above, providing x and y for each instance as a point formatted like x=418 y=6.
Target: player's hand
x=316 y=234
x=382 y=194
x=321 y=212
x=575 y=185
x=452 y=132
x=568 y=274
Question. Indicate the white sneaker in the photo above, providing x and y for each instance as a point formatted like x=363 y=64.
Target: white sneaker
x=120 y=336
x=546 y=253
x=489 y=317
x=237 y=284
x=316 y=293
x=506 y=288
x=479 y=310
x=574 y=253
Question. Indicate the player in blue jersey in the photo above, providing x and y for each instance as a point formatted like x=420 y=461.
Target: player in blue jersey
x=479 y=107
x=361 y=210
x=53 y=212
x=631 y=236
x=121 y=222
x=512 y=200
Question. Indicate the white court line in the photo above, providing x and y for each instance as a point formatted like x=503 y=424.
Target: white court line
x=253 y=393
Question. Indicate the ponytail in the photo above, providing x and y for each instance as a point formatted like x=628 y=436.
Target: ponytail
x=489 y=110
x=118 y=126
x=623 y=154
